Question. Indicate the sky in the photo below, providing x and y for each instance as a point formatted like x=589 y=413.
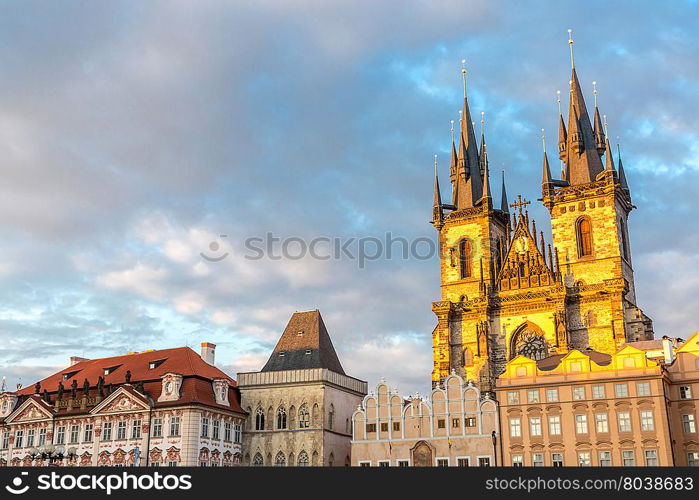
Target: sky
x=137 y=136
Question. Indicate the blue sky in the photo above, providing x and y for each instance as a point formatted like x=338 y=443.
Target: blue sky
x=133 y=134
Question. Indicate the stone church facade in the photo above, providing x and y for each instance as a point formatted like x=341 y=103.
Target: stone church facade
x=300 y=404
x=505 y=290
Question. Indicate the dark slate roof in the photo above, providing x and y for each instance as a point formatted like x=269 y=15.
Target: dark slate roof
x=305 y=343
x=552 y=362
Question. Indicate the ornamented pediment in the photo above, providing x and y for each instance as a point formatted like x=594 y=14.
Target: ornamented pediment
x=524 y=266
x=121 y=401
x=172 y=382
x=28 y=411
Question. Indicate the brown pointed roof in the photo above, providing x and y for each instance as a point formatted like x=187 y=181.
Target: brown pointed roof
x=304 y=344
x=469 y=181
x=581 y=166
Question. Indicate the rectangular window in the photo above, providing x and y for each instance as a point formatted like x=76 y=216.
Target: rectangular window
x=216 y=429
x=517 y=461
x=121 y=429
x=74 y=433
x=555 y=425
x=552 y=395
x=643 y=388
x=174 y=426
x=651 y=457
x=538 y=459
x=693 y=459
x=483 y=461
x=19 y=437
x=173 y=464
x=513 y=398
x=42 y=437
x=533 y=396
x=685 y=392
x=442 y=462
x=584 y=459
x=61 y=435
x=371 y=427
x=515 y=427
x=535 y=426
x=621 y=390
x=557 y=459
x=107 y=431
x=87 y=434
x=30 y=438
x=688 y=424
x=470 y=421
x=581 y=424
x=238 y=433
x=384 y=463
x=441 y=423
x=578 y=393
x=601 y=423
x=205 y=427
x=158 y=427
x=396 y=426
x=605 y=458
x=403 y=463
x=624 y=418
x=455 y=423
x=598 y=392
x=136 y=429
x=463 y=462
x=365 y=464
x=5 y=440
x=647 y=423
x=227 y=429
x=628 y=459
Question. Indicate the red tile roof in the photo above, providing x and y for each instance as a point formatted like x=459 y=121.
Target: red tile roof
x=196 y=384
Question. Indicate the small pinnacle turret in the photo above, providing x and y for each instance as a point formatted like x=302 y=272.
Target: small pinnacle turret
x=504 y=205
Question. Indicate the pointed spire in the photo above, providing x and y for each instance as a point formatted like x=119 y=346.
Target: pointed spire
x=609 y=160
x=546 y=179
x=453 y=168
x=469 y=181
x=622 y=174
x=486 y=185
x=437 y=211
x=562 y=134
x=504 y=205
x=598 y=131
x=582 y=160
x=483 y=151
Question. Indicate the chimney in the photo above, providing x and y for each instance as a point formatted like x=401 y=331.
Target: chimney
x=668 y=350
x=77 y=359
x=208 y=352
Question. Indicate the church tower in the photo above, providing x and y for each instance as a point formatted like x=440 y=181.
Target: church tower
x=505 y=290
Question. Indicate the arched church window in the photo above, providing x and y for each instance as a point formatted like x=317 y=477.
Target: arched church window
x=468 y=358
x=281 y=418
x=622 y=239
x=584 y=237
x=316 y=416
x=590 y=318
x=280 y=460
x=303 y=459
x=259 y=419
x=257 y=460
x=465 y=258
x=529 y=343
x=304 y=417
x=331 y=460
x=331 y=416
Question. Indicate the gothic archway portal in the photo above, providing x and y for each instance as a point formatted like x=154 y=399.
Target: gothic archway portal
x=529 y=341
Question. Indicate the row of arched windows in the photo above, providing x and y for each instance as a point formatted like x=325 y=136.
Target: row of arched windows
x=281 y=460
x=286 y=420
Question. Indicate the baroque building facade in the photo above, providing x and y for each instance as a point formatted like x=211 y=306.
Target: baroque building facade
x=167 y=407
x=505 y=290
x=300 y=404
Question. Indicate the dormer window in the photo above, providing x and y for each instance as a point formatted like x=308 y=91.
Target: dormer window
x=220 y=387
x=154 y=364
x=300 y=332
x=109 y=370
x=308 y=351
x=68 y=375
x=282 y=353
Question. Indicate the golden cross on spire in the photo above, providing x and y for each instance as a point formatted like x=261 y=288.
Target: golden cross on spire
x=605 y=125
x=463 y=74
x=435 y=166
x=570 y=42
x=543 y=138
x=558 y=99
x=594 y=91
x=520 y=203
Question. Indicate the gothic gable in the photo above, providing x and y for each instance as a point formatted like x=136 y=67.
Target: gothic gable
x=524 y=265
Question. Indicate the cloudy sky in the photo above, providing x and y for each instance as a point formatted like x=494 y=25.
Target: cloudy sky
x=134 y=134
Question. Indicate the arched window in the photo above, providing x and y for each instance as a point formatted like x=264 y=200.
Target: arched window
x=316 y=417
x=347 y=426
x=303 y=459
x=584 y=236
x=529 y=341
x=331 y=416
x=259 y=419
x=292 y=418
x=281 y=418
x=622 y=240
x=280 y=460
x=591 y=318
x=468 y=359
x=304 y=417
x=331 y=459
x=314 y=459
x=465 y=258
x=258 y=461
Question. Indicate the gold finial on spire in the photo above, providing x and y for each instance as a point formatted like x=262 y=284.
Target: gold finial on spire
x=543 y=139
x=570 y=42
x=463 y=74
x=594 y=91
x=618 y=149
x=483 y=122
x=558 y=99
x=452 y=131
x=435 y=166
x=605 y=125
